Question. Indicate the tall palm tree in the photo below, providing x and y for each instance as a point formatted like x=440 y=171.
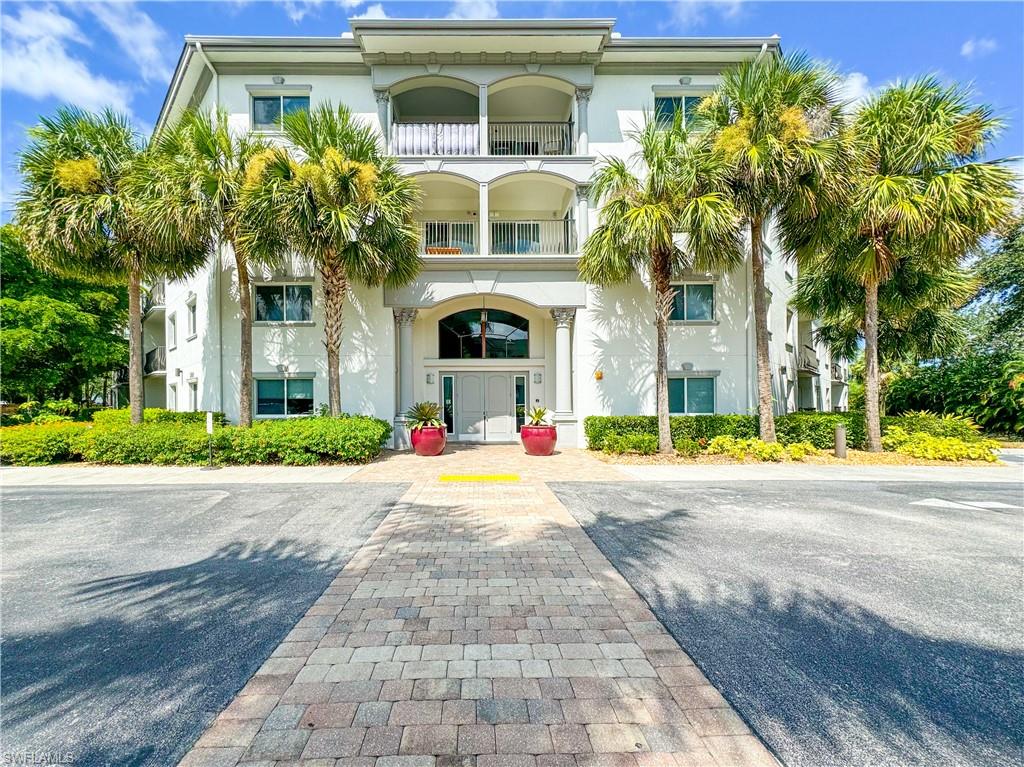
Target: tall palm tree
x=674 y=184
x=920 y=199
x=80 y=214
x=194 y=179
x=341 y=202
x=778 y=120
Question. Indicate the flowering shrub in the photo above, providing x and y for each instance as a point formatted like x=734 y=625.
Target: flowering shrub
x=928 y=446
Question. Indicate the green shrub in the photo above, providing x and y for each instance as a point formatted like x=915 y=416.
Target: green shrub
x=38 y=444
x=304 y=441
x=929 y=446
x=157 y=443
x=819 y=429
x=797 y=451
x=686 y=446
x=640 y=444
x=112 y=417
x=922 y=421
x=756 y=449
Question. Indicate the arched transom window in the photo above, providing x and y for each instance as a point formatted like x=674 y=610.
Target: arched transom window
x=483 y=334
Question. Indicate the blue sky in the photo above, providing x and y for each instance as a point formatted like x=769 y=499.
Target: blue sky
x=123 y=53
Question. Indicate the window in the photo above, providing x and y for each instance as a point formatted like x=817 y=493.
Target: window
x=691 y=396
x=284 y=396
x=284 y=303
x=268 y=111
x=665 y=108
x=483 y=333
x=694 y=303
x=193 y=396
x=190 y=318
x=520 y=392
x=448 y=402
x=172 y=331
x=172 y=397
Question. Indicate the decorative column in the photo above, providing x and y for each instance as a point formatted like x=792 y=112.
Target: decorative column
x=406 y=393
x=383 y=96
x=484 y=220
x=582 y=214
x=484 y=142
x=582 y=102
x=563 y=359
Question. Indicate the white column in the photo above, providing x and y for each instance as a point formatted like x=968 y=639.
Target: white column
x=484 y=221
x=484 y=142
x=406 y=392
x=582 y=101
x=582 y=214
x=384 y=114
x=563 y=359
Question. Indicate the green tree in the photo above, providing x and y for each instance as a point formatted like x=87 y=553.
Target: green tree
x=194 y=177
x=80 y=214
x=997 y=312
x=779 y=122
x=919 y=193
x=341 y=202
x=675 y=183
x=59 y=335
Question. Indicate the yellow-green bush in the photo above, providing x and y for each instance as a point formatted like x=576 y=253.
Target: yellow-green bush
x=928 y=446
x=640 y=444
x=39 y=444
x=756 y=449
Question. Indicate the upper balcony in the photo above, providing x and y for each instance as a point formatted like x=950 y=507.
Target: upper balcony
x=153 y=299
x=526 y=116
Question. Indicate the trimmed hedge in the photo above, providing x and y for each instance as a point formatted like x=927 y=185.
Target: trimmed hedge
x=39 y=444
x=122 y=416
x=307 y=441
x=817 y=429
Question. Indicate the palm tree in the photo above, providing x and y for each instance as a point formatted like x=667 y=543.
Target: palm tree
x=342 y=203
x=778 y=121
x=919 y=200
x=80 y=214
x=674 y=184
x=194 y=181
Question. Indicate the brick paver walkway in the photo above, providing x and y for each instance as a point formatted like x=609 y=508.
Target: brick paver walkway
x=479 y=626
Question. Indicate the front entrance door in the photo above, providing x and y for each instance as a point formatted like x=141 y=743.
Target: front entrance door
x=486 y=405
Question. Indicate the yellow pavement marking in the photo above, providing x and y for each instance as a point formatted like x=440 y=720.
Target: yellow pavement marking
x=479 y=478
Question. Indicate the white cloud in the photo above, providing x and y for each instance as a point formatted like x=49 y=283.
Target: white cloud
x=297 y=10
x=976 y=47
x=687 y=14
x=375 y=11
x=138 y=36
x=854 y=88
x=38 y=63
x=474 y=9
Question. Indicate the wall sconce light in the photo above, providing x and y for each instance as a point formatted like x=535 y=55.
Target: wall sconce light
x=598 y=375
x=537 y=378
x=430 y=378
x=278 y=80
x=685 y=80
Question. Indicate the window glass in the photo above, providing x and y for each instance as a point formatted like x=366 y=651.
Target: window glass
x=690 y=107
x=269 y=303
x=448 y=402
x=507 y=335
x=300 y=396
x=293 y=104
x=479 y=333
x=677 y=395
x=700 y=395
x=192 y=319
x=520 y=385
x=270 y=397
x=665 y=108
x=678 y=304
x=298 y=303
x=172 y=331
x=172 y=397
x=700 y=302
x=460 y=336
x=266 y=112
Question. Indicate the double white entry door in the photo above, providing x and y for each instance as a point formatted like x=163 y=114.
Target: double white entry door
x=483 y=406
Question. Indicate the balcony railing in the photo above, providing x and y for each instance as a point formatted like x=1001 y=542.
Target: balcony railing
x=448 y=238
x=547 y=238
x=155 y=361
x=838 y=374
x=808 y=358
x=155 y=297
x=455 y=138
x=530 y=138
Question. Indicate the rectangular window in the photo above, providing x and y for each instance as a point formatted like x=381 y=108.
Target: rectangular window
x=191 y=318
x=694 y=302
x=520 y=388
x=665 y=108
x=448 y=403
x=172 y=331
x=691 y=396
x=172 y=397
x=284 y=303
x=193 y=396
x=292 y=396
x=268 y=111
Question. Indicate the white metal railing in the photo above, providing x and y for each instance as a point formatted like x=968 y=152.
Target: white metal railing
x=450 y=238
x=461 y=138
x=533 y=237
x=530 y=138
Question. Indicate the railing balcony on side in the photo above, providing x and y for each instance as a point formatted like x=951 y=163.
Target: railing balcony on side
x=454 y=138
x=448 y=238
x=548 y=238
x=155 y=360
x=155 y=296
x=808 y=358
x=530 y=138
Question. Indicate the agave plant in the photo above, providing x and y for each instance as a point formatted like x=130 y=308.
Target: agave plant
x=424 y=414
x=537 y=416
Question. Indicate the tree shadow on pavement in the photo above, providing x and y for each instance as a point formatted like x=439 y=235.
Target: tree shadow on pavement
x=169 y=650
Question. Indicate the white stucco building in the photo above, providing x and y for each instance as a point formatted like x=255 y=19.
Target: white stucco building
x=502 y=122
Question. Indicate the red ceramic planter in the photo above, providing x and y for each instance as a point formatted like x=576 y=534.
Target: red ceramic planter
x=539 y=440
x=430 y=440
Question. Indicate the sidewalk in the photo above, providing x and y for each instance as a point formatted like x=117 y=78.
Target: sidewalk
x=479 y=626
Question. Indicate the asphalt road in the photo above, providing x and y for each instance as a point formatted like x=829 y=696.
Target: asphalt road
x=132 y=615
x=849 y=623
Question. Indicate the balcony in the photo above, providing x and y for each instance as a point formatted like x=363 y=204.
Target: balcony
x=808 y=361
x=448 y=238
x=155 y=361
x=530 y=139
x=838 y=374
x=435 y=139
x=154 y=298
x=533 y=238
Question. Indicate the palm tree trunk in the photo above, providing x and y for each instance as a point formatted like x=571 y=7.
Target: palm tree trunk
x=663 y=306
x=135 y=393
x=334 y=286
x=872 y=412
x=245 y=348
x=766 y=415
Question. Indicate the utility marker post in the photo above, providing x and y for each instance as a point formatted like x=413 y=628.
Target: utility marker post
x=209 y=443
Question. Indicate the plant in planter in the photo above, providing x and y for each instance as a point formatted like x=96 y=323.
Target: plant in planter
x=538 y=437
x=426 y=429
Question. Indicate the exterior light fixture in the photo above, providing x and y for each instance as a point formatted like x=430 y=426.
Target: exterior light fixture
x=278 y=80
x=537 y=378
x=685 y=80
x=598 y=375
x=430 y=378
